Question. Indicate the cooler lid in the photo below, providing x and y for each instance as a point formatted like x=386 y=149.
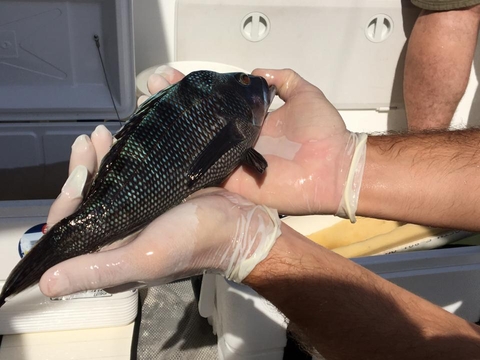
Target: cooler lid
x=50 y=68
x=353 y=50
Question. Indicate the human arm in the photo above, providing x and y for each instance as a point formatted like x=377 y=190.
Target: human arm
x=430 y=178
x=347 y=312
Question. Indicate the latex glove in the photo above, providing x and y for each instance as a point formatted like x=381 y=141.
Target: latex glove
x=315 y=165
x=215 y=231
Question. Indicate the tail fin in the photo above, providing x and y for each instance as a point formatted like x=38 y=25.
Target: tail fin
x=31 y=268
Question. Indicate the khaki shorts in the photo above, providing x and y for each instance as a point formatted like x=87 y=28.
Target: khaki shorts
x=442 y=5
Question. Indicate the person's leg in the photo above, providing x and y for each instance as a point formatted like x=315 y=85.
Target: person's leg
x=437 y=66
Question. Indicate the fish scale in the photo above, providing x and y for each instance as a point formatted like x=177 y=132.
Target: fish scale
x=191 y=135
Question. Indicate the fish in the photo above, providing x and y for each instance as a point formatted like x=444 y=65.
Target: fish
x=190 y=136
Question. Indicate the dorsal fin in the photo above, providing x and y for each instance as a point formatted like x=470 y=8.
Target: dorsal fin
x=137 y=116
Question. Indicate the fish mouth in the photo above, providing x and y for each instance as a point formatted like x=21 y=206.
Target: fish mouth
x=272 y=91
x=268 y=99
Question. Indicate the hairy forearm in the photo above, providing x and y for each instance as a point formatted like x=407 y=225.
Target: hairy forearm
x=347 y=312
x=428 y=178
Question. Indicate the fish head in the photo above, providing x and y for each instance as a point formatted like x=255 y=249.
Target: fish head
x=255 y=91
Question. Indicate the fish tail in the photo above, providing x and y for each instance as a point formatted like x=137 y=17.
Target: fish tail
x=35 y=263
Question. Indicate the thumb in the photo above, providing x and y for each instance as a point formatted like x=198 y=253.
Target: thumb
x=287 y=81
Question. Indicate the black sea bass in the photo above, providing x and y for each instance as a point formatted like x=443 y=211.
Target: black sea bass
x=191 y=135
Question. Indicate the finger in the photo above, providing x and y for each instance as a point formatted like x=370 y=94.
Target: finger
x=163 y=77
x=156 y=82
x=287 y=81
x=141 y=99
x=83 y=153
x=102 y=140
x=205 y=192
x=70 y=197
x=232 y=197
x=87 y=272
x=170 y=74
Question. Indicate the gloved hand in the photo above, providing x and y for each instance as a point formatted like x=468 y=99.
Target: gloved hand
x=215 y=231
x=315 y=165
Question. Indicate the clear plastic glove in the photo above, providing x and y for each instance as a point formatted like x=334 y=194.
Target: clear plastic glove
x=315 y=165
x=214 y=231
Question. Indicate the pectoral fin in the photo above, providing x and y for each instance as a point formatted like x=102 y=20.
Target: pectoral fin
x=254 y=159
x=226 y=139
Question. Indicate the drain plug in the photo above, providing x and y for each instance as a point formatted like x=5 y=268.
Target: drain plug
x=255 y=26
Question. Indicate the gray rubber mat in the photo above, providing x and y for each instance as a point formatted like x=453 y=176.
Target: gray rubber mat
x=171 y=327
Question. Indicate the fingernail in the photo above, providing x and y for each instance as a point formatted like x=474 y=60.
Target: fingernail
x=73 y=187
x=101 y=130
x=81 y=143
x=165 y=70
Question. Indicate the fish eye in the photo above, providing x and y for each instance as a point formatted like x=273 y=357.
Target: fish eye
x=243 y=79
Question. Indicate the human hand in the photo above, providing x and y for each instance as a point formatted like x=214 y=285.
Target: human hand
x=315 y=165
x=309 y=152
x=215 y=231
